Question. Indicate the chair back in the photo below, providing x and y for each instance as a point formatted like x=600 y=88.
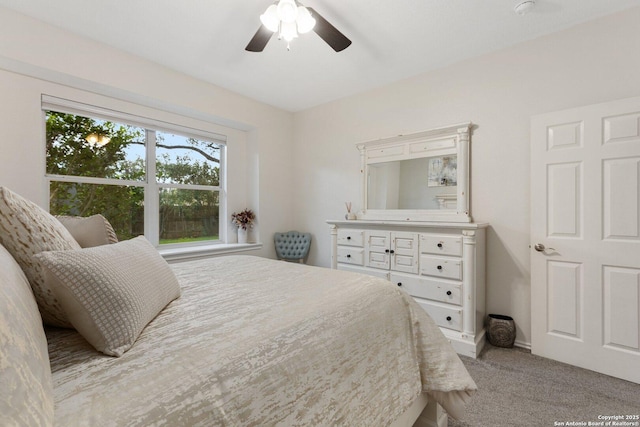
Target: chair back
x=292 y=245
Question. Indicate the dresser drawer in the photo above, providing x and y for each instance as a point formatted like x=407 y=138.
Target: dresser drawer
x=440 y=244
x=347 y=255
x=444 y=316
x=449 y=268
x=432 y=289
x=351 y=238
x=364 y=270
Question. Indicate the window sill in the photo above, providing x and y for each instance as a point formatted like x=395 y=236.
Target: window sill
x=204 y=251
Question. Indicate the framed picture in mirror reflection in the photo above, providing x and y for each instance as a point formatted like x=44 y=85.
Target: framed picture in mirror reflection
x=443 y=171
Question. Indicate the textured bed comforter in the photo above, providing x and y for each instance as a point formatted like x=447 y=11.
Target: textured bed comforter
x=257 y=342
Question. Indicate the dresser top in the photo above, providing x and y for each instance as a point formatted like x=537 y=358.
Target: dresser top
x=356 y=223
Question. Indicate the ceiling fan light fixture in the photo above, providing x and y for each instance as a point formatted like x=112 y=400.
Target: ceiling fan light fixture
x=92 y=138
x=97 y=140
x=305 y=21
x=287 y=11
x=289 y=18
x=288 y=31
x=270 y=18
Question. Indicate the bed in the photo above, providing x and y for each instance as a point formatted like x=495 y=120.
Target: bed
x=249 y=342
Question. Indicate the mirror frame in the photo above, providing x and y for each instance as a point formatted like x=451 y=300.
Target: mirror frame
x=435 y=142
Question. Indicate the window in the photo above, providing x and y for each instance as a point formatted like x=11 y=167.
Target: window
x=147 y=178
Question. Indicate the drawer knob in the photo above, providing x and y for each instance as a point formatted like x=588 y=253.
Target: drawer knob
x=392 y=251
x=440 y=244
x=448 y=318
x=348 y=237
x=348 y=255
x=439 y=267
x=448 y=292
x=386 y=251
x=399 y=283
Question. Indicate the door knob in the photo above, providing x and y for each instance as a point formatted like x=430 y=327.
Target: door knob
x=541 y=248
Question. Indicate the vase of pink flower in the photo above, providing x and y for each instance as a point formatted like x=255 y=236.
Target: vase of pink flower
x=244 y=220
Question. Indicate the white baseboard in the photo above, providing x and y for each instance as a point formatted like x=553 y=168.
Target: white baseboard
x=525 y=345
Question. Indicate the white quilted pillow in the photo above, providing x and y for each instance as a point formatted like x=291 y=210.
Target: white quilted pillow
x=26 y=390
x=111 y=292
x=25 y=230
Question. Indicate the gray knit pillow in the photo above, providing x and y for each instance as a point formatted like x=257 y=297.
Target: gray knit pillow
x=111 y=292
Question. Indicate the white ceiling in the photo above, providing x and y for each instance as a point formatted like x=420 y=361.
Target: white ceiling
x=392 y=39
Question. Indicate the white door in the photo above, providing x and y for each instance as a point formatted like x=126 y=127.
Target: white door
x=585 y=211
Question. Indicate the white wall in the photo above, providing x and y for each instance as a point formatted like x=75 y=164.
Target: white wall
x=36 y=58
x=590 y=63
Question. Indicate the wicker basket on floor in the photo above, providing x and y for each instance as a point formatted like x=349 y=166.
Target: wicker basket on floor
x=501 y=330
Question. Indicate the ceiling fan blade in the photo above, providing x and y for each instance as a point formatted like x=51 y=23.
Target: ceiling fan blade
x=329 y=33
x=259 y=40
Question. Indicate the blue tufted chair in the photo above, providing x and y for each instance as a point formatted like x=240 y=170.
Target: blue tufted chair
x=292 y=245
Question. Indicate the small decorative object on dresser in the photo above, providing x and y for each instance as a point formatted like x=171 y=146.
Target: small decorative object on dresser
x=501 y=330
x=244 y=220
x=349 y=215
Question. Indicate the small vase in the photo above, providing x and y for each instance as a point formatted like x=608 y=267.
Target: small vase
x=242 y=235
x=501 y=330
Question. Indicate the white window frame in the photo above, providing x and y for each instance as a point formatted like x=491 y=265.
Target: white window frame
x=150 y=185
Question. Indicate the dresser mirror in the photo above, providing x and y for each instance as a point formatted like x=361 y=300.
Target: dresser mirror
x=417 y=177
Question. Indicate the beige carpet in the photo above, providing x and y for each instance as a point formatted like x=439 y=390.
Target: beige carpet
x=516 y=388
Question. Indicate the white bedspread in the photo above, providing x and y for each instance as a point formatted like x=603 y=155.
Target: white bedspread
x=257 y=342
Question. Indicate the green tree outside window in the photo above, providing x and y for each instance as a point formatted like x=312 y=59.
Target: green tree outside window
x=116 y=174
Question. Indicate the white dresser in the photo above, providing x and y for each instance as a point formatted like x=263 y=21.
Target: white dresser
x=442 y=265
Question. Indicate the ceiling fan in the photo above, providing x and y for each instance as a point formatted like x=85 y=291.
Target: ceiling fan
x=290 y=17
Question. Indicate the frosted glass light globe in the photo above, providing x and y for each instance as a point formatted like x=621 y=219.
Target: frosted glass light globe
x=270 y=18
x=287 y=10
x=305 y=21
